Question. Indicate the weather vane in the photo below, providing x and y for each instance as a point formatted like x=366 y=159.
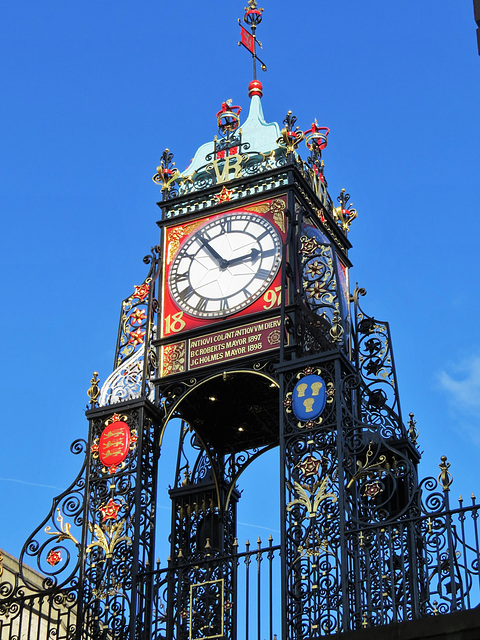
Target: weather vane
x=252 y=18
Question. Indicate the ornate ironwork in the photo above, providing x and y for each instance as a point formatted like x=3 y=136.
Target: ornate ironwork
x=374 y=355
x=344 y=214
x=54 y=547
x=167 y=175
x=120 y=520
x=291 y=137
x=364 y=542
x=94 y=390
x=133 y=370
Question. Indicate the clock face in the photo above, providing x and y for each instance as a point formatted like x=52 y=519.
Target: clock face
x=225 y=265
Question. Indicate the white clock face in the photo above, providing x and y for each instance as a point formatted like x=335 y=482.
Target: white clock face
x=225 y=265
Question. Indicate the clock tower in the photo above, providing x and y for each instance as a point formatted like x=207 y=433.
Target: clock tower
x=246 y=336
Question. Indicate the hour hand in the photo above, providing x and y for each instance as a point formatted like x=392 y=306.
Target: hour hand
x=253 y=256
x=221 y=261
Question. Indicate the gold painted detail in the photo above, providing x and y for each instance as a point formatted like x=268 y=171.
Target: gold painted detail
x=319 y=548
x=276 y=207
x=336 y=330
x=370 y=466
x=344 y=217
x=63 y=532
x=445 y=477
x=174 y=358
x=310 y=497
x=290 y=139
x=288 y=402
x=1 y=565
x=166 y=175
x=224 y=167
x=107 y=539
x=195 y=508
x=94 y=390
x=176 y=235
x=103 y=592
x=207 y=621
x=412 y=429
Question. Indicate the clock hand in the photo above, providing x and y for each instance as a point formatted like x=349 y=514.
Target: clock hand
x=223 y=264
x=253 y=256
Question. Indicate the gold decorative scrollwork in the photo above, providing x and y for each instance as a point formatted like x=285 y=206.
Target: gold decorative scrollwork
x=64 y=532
x=290 y=139
x=311 y=502
x=107 y=540
x=368 y=466
x=176 y=235
x=276 y=207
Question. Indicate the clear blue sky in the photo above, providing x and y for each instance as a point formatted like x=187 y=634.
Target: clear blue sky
x=92 y=94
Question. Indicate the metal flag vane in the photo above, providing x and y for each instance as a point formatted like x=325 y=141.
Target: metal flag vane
x=252 y=17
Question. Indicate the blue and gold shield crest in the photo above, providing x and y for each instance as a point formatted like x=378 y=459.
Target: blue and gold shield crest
x=309 y=397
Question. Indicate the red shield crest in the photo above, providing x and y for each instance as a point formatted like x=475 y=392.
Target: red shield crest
x=114 y=443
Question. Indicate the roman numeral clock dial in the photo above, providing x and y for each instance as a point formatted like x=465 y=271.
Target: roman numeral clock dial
x=225 y=265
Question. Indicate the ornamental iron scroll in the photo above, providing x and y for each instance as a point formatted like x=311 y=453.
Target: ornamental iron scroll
x=126 y=381
x=313 y=514
x=382 y=484
x=135 y=363
x=416 y=567
x=120 y=521
x=136 y=318
x=324 y=283
x=167 y=175
x=54 y=547
x=197 y=464
x=374 y=355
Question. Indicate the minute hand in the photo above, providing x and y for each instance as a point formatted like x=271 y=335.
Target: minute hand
x=221 y=261
x=253 y=256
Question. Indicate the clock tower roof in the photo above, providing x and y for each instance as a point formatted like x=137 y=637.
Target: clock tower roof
x=257 y=135
x=261 y=135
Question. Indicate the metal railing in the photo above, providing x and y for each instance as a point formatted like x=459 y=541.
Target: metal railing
x=422 y=566
x=242 y=590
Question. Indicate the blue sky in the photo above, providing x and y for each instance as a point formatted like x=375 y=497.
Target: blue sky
x=92 y=94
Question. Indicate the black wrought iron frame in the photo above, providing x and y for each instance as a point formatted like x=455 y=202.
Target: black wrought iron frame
x=364 y=543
